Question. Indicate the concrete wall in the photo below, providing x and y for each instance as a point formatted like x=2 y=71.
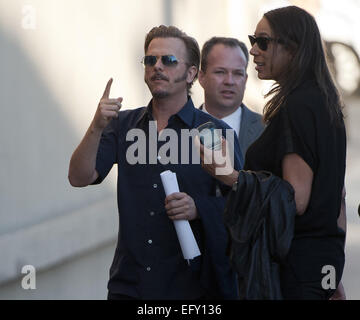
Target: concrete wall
x=83 y=276
x=55 y=59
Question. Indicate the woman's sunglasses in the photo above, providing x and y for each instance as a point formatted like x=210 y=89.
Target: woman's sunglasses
x=167 y=60
x=263 y=42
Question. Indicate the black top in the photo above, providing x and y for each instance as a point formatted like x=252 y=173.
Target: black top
x=148 y=262
x=303 y=126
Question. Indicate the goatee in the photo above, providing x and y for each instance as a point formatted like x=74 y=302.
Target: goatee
x=160 y=94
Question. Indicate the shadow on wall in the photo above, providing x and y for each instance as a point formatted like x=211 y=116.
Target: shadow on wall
x=36 y=145
x=44 y=221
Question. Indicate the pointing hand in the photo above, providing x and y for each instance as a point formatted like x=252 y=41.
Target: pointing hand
x=107 y=108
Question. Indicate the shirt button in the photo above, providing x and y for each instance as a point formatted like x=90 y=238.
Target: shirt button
x=155 y=185
x=148 y=269
x=152 y=213
x=150 y=241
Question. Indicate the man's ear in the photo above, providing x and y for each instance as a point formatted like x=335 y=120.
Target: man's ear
x=191 y=74
x=201 y=78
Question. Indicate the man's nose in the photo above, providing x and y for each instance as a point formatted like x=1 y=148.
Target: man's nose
x=229 y=78
x=159 y=65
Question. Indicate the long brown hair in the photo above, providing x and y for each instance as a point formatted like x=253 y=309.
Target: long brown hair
x=298 y=30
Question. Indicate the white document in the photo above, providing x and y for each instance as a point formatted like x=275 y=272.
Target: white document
x=184 y=233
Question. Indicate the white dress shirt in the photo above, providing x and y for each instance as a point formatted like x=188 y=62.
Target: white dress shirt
x=233 y=120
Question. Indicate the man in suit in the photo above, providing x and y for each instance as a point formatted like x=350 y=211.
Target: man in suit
x=223 y=77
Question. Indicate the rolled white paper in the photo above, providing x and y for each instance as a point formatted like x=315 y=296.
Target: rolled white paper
x=184 y=233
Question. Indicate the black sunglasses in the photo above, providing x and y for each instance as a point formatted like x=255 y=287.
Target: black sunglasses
x=167 y=60
x=263 y=42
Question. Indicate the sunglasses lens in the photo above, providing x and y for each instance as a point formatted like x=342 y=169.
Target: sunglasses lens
x=252 y=40
x=150 y=60
x=169 y=60
x=262 y=43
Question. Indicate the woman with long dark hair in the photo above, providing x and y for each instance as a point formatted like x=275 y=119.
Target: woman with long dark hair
x=303 y=144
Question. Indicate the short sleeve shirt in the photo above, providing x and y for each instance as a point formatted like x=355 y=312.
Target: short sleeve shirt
x=303 y=126
x=148 y=262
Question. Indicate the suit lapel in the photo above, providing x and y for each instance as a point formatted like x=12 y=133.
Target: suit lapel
x=246 y=128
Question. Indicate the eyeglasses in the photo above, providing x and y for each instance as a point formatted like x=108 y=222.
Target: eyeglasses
x=167 y=60
x=263 y=42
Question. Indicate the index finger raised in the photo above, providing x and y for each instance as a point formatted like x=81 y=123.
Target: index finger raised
x=107 y=89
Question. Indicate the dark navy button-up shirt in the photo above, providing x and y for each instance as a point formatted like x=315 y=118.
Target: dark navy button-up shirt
x=148 y=262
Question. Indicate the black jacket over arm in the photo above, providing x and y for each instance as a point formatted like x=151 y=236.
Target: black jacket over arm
x=259 y=215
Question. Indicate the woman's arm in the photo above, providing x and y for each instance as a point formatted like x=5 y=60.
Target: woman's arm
x=298 y=173
x=340 y=291
x=342 y=216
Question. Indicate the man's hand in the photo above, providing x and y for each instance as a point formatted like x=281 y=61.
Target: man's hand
x=218 y=163
x=107 y=109
x=180 y=206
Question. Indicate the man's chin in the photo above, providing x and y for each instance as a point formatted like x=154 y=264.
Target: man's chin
x=229 y=104
x=160 y=94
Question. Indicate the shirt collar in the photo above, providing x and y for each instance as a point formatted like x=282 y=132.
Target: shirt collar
x=186 y=114
x=146 y=113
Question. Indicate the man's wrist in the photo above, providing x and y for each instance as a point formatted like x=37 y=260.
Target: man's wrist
x=95 y=130
x=232 y=178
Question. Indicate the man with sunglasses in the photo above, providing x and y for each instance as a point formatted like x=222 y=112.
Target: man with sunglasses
x=223 y=77
x=148 y=262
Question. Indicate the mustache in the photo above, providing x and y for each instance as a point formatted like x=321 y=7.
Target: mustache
x=159 y=76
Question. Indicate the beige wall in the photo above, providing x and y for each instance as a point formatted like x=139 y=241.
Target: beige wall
x=55 y=59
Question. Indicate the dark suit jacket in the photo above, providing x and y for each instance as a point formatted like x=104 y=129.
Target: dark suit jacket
x=251 y=127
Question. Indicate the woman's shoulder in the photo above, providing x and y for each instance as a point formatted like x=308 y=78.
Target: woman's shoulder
x=306 y=98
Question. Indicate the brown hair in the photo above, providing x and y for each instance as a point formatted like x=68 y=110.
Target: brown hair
x=229 y=42
x=192 y=47
x=298 y=30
